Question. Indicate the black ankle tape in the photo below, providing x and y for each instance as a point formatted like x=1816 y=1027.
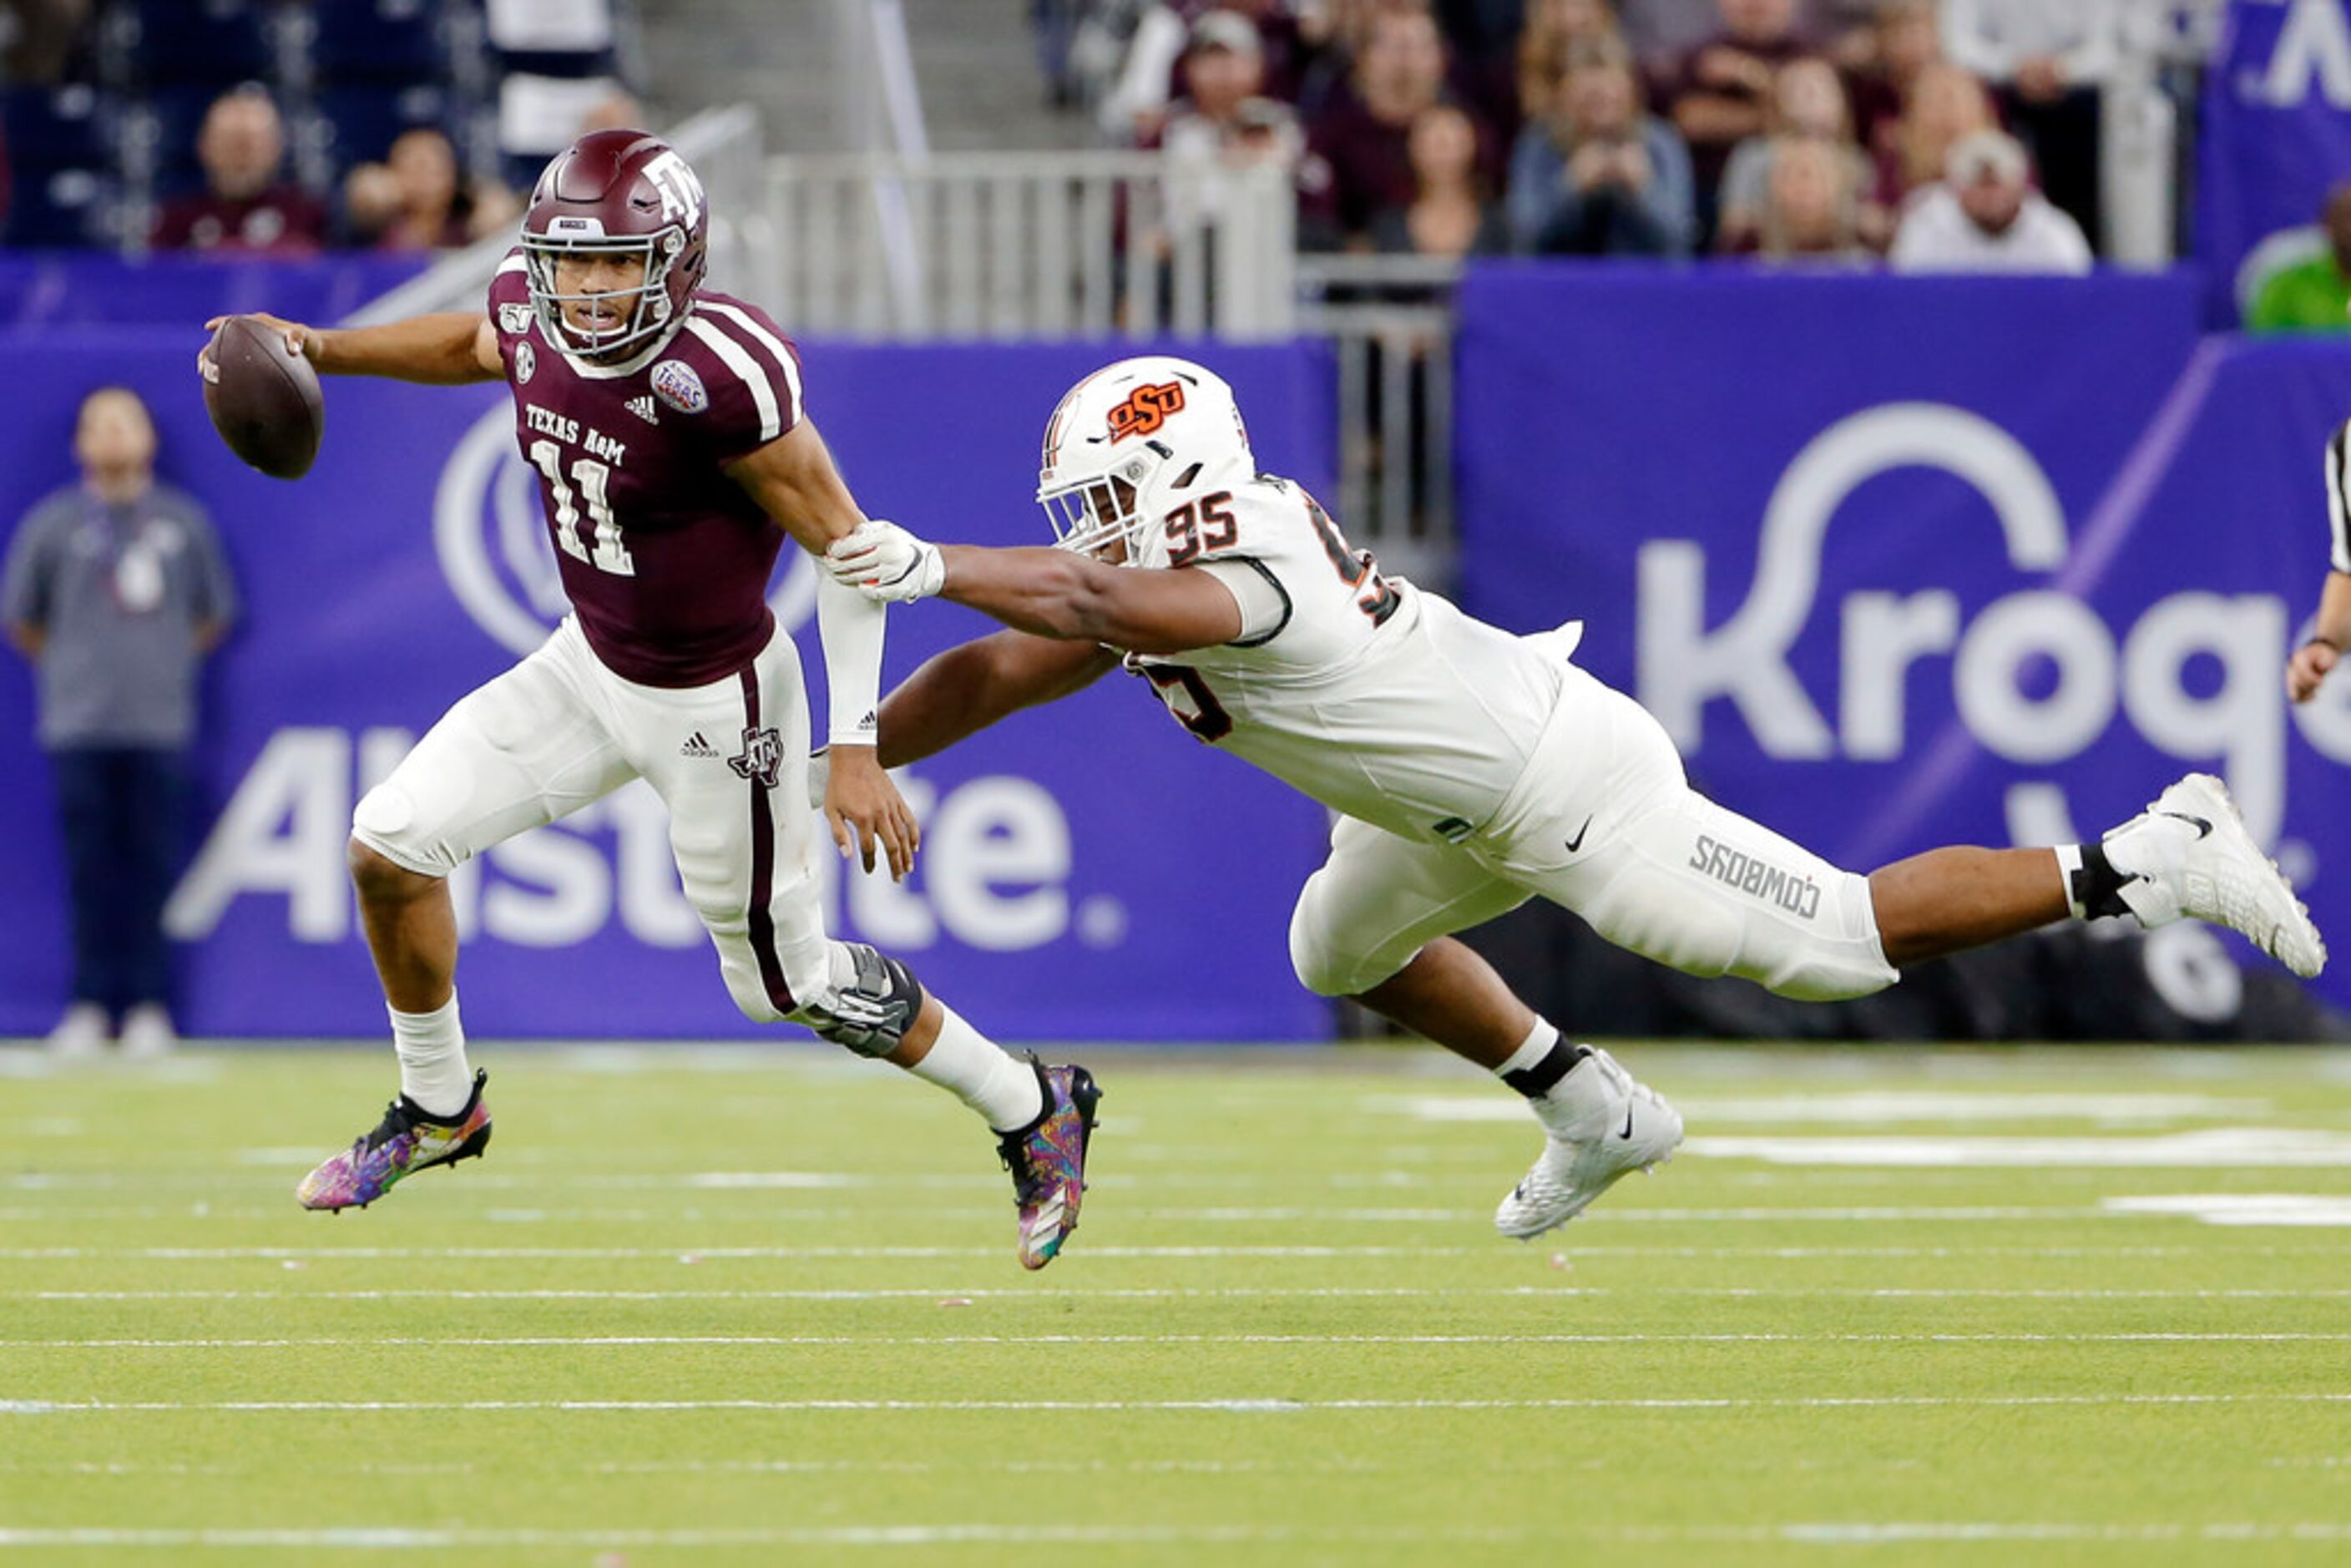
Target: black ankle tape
x=1536 y=1082
x=2096 y=888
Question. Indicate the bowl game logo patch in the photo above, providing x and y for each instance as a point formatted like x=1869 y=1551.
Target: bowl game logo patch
x=675 y=384
x=525 y=363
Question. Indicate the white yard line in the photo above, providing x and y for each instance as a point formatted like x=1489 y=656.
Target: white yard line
x=960 y=1294
x=576 y=1341
x=1245 y=1403
x=1833 y=1533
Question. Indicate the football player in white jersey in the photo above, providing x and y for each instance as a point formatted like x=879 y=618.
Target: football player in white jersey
x=1471 y=769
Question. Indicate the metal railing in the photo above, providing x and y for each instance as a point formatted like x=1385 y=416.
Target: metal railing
x=1031 y=245
x=1389 y=320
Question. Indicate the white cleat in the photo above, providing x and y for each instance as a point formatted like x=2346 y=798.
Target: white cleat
x=1602 y=1126
x=2190 y=856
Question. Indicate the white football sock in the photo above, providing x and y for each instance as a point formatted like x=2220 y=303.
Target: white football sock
x=432 y=1050
x=1532 y=1050
x=977 y=1071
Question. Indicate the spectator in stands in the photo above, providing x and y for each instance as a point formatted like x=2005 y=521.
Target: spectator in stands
x=1151 y=74
x=2314 y=296
x=1813 y=201
x=116 y=589
x=1598 y=177
x=1222 y=119
x=1334 y=33
x=1808 y=104
x=2048 y=61
x=1946 y=106
x=1720 y=93
x=1451 y=214
x=243 y=208
x=1556 y=31
x=1358 y=155
x=1902 y=41
x=1223 y=70
x=420 y=203
x=1987 y=217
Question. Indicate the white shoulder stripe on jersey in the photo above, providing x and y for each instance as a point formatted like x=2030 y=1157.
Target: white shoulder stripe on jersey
x=511 y=264
x=736 y=358
x=2338 y=499
x=765 y=339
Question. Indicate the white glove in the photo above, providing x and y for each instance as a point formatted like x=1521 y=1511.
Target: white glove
x=884 y=562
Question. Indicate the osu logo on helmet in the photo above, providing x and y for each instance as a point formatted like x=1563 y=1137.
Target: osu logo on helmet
x=1146 y=408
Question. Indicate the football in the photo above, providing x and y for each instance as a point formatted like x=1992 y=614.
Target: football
x=264 y=399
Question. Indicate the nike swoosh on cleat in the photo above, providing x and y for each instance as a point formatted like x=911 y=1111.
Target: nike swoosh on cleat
x=1627 y=1133
x=1576 y=843
x=2203 y=828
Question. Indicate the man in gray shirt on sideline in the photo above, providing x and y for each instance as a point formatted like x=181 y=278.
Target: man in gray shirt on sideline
x=116 y=589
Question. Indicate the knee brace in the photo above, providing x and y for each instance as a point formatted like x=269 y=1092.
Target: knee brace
x=869 y=1003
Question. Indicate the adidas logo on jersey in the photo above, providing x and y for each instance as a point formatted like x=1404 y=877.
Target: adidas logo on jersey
x=697 y=746
x=642 y=407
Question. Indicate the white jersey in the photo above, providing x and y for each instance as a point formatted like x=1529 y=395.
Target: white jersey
x=1377 y=700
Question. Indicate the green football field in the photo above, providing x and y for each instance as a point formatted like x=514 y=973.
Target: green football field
x=760 y=1307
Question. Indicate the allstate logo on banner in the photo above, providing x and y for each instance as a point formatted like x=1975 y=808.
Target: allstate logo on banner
x=490 y=535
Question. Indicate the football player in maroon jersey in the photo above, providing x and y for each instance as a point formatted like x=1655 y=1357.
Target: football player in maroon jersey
x=666 y=424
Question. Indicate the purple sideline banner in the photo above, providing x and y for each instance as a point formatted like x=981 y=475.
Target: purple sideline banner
x=1087 y=872
x=2276 y=130
x=1907 y=561
x=79 y=288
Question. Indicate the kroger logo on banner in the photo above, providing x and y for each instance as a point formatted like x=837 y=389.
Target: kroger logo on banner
x=491 y=537
x=1998 y=659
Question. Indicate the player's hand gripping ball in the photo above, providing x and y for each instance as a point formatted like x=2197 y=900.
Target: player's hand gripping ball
x=262 y=395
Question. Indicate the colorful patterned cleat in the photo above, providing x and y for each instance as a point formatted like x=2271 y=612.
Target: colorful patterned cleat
x=1047 y=1161
x=409 y=1139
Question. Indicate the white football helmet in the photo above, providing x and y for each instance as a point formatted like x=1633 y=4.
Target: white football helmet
x=1129 y=443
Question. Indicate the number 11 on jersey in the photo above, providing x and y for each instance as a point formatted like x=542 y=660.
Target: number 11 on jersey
x=594 y=480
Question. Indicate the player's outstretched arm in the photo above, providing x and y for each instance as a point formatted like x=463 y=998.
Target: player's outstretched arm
x=966 y=689
x=1055 y=593
x=449 y=349
x=1048 y=592
x=2329 y=636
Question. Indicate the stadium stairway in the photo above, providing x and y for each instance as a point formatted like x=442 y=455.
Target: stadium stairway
x=975 y=61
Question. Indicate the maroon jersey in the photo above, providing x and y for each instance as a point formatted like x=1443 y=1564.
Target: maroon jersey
x=665 y=559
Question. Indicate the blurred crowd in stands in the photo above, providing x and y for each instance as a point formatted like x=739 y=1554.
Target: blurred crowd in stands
x=280 y=128
x=1929 y=135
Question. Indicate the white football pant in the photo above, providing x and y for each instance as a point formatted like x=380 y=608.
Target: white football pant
x=1603 y=823
x=729 y=759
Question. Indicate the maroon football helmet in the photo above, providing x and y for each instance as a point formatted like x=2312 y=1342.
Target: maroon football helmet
x=625 y=192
